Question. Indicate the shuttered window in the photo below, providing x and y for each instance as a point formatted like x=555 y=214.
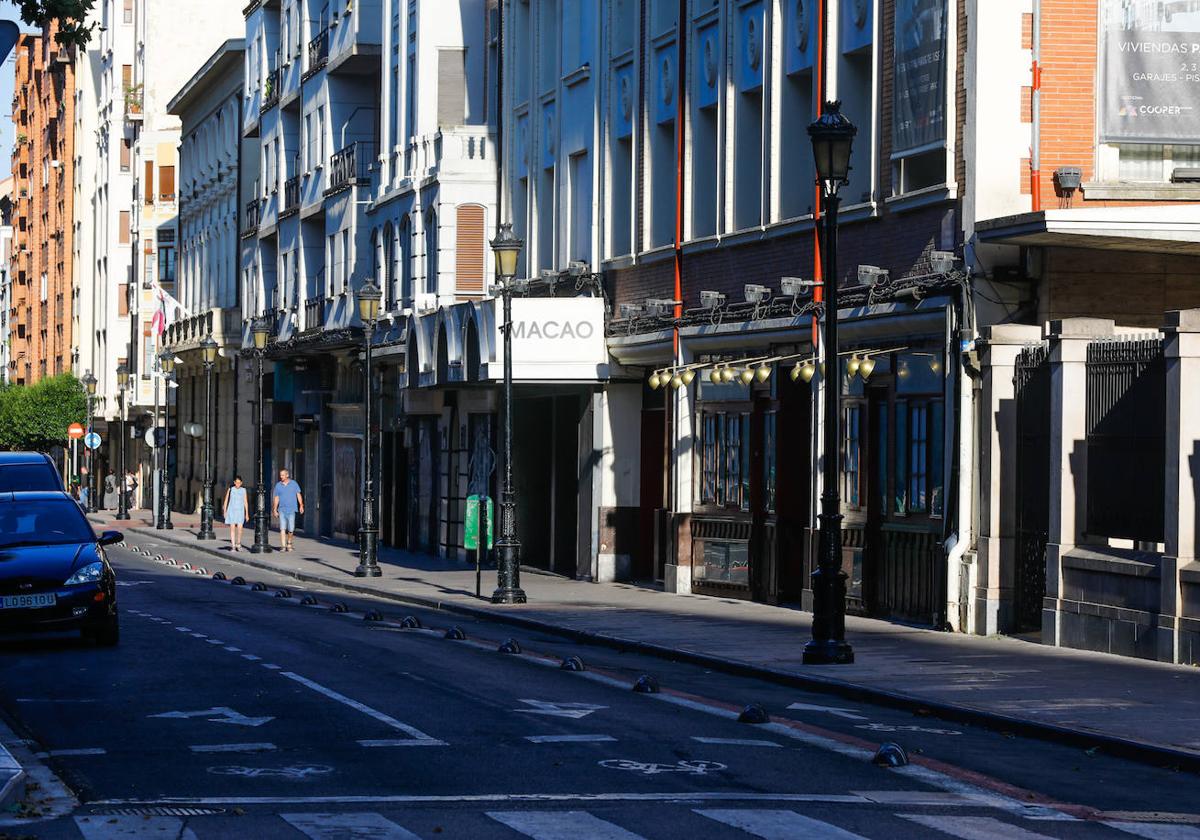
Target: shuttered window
x=148 y=183
x=166 y=183
x=469 y=249
x=123 y=228
x=452 y=87
x=125 y=154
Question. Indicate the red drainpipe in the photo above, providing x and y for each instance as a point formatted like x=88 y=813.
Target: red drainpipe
x=680 y=91
x=819 y=69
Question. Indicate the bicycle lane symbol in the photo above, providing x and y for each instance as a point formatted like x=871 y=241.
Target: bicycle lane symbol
x=694 y=768
x=295 y=773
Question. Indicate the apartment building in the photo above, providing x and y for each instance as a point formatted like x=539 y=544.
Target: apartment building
x=138 y=58
x=6 y=257
x=42 y=295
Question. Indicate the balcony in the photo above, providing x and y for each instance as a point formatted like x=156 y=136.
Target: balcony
x=314 y=314
x=351 y=166
x=318 y=53
x=462 y=150
x=253 y=215
x=291 y=196
x=356 y=38
x=270 y=97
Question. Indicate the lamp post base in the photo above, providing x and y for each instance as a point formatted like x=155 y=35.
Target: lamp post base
x=509 y=596
x=206 y=535
x=828 y=652
x=121 y=516
x=364 y=570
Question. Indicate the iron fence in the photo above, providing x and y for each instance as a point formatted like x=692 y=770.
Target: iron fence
x=1032 y=381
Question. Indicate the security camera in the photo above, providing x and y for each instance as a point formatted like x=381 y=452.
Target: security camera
x=577 y=268
x=872 y=275
x=658 y=308
x=631 y=310
x=942 y=261
x=756 y=293
x=796 y=286
x=712 y=300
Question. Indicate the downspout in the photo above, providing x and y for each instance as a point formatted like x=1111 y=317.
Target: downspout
x=814 y=444
x=500 y=162
x=1035 y=150
x=237 y=266
x=958 y=524
x=680 y=91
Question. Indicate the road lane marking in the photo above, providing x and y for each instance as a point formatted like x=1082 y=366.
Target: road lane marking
x=652 y=768
x=400 y=742
x=61 y=753
x=110 y=828
x=833 y=710
x=575 y=711
x=736 y=742
x=561 y=825
x=216 y=748
x=568 y=739
x=1156 y=831
x=406 y=799
x=973 y=828
x=233 y=649
x=271 y=667
x=51 y=700
x=200 y=635
x=214 y=641
x=778 y=825
x=338 y=826
x=221 y=714
x=250 y=657
x=295 y=773
x=183 y=629
x=361 y=707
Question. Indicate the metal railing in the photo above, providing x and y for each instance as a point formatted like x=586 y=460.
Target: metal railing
x=271 y=90
x=253 y=214
x=351 y=166
x=291 y=195
x=318 y=52
x=314 y=314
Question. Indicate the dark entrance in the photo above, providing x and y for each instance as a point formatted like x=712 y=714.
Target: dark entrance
x=1033 y=485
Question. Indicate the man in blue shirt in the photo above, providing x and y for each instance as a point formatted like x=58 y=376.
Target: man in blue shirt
x=286 y=503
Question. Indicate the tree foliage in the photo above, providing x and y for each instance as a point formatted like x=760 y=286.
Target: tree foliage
x=70 y=14
x=36 y=417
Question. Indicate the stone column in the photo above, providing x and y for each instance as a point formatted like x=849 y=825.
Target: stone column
x=1068 y=339
x=1182 y=356
x=992 y=600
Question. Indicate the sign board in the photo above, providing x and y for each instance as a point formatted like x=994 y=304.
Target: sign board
x=75 y=431
x=919 y=94
x=91 y=440
x=1149 y=73
x=471 y=526
x=552 y=338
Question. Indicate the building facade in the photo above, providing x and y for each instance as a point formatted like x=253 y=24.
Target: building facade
x=43 y=297
x=6 y=257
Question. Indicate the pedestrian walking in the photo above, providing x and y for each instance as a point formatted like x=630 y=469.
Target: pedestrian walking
x=131 y=484
x=110 y=492
x=236 y=512
x=286 y=502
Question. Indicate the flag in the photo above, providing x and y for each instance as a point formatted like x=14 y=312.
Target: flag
x=169 y=311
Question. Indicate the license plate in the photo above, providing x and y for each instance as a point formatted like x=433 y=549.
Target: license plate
x=16 y=602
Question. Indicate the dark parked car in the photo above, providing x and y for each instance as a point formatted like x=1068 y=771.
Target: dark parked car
x=54 y=574
x=21 y=471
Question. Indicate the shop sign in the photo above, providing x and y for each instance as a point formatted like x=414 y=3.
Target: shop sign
x=554 y=337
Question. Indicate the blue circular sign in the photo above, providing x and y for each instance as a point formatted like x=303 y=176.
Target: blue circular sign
x=91 y=440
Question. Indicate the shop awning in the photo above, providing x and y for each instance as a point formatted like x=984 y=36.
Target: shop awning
x=1171 y=228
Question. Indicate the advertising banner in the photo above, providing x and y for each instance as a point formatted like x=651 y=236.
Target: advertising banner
x=919 y=97
x=1149 y=75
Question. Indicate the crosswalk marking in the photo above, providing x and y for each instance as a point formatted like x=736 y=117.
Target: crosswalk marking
x=973 y=828
x=735 y=742
x=111 y=828
x=567 y=739
x=562 y=825
x=1157 y=831
x=347 y=826
x=778 y=825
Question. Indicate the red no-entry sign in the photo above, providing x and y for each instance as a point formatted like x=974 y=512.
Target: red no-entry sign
x=75 y=431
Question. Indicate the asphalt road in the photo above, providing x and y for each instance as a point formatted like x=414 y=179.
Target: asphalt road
x=228 y=712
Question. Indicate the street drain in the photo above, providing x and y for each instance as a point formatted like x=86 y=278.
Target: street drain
x=159 y=812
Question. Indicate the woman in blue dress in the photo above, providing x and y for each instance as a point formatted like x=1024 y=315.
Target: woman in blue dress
x=236 y=511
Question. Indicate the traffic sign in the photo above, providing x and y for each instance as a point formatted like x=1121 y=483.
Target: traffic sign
x=471 y=530
x=75 y=431
x=156 y=437
x=92 y=440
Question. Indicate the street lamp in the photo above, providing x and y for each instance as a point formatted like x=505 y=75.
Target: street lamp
x=208 y=351
x=507 y=249
x=369 y=296
x=89 y=383
x=832 y=137
x=262 y=542
x=166 y=364
x=122 y=501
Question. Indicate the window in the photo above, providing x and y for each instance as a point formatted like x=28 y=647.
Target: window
x=386 y=270
x=403 y=247
x=308 y=148
x=166 y=263
x=431 y=252
x=148 y=182
x=320 y=136
x=123 y=228
x=166 y=183
x=126 y=155
x=1154 y=162
x=725 y=459
x=852 y=475
x=127 y=13
x=148 y=349
x=452 y=87
x=346 y=260
x=123 y=300
x=147 y=263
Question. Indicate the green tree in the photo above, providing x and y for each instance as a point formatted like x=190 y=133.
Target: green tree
x=36 y=417
x=70 y=14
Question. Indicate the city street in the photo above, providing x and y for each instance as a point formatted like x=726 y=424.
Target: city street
x=230 y=712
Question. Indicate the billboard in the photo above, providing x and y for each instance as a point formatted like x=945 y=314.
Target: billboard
x=1149 y=74
x=919 y=93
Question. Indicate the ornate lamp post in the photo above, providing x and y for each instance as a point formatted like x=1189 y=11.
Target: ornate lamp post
x=507 y=248
x=166 y=364
x=262 y=542
x=832 y=137
x=208 y=350
x=368 y=533
x=89 y=383
x=122 y=501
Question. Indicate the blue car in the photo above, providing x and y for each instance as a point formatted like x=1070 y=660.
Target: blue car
x=21 y=471
x=54 y=574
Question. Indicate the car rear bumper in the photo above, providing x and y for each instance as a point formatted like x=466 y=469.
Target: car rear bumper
x=77 y=607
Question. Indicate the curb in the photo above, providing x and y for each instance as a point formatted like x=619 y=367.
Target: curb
x=12 y=779
x=1140 y=751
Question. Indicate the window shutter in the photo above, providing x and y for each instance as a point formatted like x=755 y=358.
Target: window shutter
x=123 y=228
x=452 y=87
x=470 y=250
x=148 y=183
x=166 y=183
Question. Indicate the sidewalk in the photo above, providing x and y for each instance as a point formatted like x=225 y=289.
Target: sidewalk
x=1144 y=710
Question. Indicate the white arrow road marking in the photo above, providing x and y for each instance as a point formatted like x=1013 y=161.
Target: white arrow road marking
x=833 y=710
x=223 y=714
x=567 y=710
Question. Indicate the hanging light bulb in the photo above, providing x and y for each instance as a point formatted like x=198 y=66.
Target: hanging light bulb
x=687 y=376
x=822 y=368
x=655 y=380
x=764 y=371
x=865 y=368
x=747 y=376
x=715 y=376
x=935 y=364
x=853 y=365
x=808 y=371
x=676 y=381
x=726 y=374
x=796 y=370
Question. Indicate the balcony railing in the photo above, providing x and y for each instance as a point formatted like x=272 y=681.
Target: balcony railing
x=253 y=214
x=271 y=90
x=318 y=52
x=291 y=195
x=314 y=314
x=351 y=166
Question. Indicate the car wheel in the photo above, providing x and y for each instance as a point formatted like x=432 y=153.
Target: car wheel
x=109 y=633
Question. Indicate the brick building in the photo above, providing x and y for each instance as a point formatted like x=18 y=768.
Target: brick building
x=42 y=296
